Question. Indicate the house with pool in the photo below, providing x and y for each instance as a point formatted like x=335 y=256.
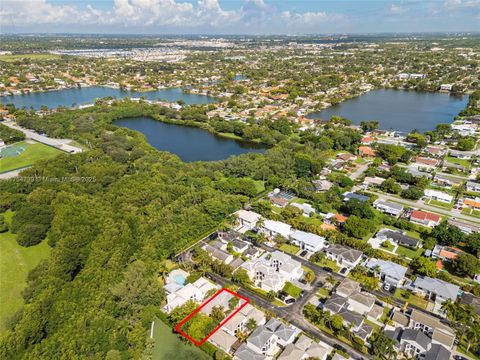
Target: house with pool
x=178 y=292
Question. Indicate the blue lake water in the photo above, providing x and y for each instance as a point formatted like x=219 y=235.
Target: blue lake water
x=86 y=95
x=398 y=109
x=189 y=143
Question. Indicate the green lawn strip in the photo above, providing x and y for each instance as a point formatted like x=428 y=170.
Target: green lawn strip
x=31 y=154
x=292 y=290
x=441 y=204
x=15 y=263
x=410 y=253
x=463 y=162
x=411 y=299
x=289 y=248
x=323 y=293
x=328 y=263
x=169 y=346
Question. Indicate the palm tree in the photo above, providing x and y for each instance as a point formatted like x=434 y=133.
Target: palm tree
x=473 y=334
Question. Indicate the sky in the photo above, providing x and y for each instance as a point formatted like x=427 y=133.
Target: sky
x=238 y=16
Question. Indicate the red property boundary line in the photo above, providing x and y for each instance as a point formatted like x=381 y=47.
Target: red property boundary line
x=198 y=343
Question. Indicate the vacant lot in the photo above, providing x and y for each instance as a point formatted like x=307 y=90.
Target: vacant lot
x=168 y=345
x=15 y=263
x=27 y=157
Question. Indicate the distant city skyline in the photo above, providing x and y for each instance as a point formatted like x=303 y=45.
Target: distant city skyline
x=238 y=16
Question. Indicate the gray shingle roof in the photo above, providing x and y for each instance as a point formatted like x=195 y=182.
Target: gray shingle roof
x=437 y=286
x=437 y=352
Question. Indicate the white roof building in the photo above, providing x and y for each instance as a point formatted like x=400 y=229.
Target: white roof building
x=438 y=195
x=308 y=241
x=273 y=228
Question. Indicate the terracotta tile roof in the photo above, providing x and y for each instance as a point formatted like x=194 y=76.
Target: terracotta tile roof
x=424 y=215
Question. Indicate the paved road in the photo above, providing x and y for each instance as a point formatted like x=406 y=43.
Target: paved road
x=12 y=174
x=361 y=169
x=293 y=314
x=421 y=205
x=62 y=144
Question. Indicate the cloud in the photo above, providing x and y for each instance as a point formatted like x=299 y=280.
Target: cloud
x=396 y=9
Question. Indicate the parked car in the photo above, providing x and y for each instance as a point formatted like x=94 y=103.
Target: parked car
x=386 y=286
x=290 y=301
x=304 y=253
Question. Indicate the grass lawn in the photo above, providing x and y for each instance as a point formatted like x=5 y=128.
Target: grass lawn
x=15 y=263
x=307 y=270
x=32 y=153
x=16 y=57
x=169 y=346
x=323 y=293
x=471 y=212
x=463 y=162
x=289 y=248
x=411 y=299
x=389 y=246
x=410 y=253
x=292 y=290
x=259 y=186
x=439 y=204
x=328 y=263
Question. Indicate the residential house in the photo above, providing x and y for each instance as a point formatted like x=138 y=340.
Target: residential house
x=398 y=237
x=272 y=229
x=306 y=208
x=473 y=186
x=445 y=253
x=373 y=181
x=272 y=270
x=425 y=218
x=438 y=195
x=247 y=219
x=464 y=155
x=447 y=181
x=367 y=140
x=322 y=185
x=264 y=339
x=223 y=340
x=193 y=291
x=347 y=157
x=344 y=255
x=347 y=288
x=415 y=344
x=436 y=289
x=239 y=321
x=426 y=163
x=435 y=151
x=308 y=241
x=388 y=207
x=472 y=203
x=246 y=353
x=389 y=272
x=432 y=327
x=218 y=254
x=366 y=151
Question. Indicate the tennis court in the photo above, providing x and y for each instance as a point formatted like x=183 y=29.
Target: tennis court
x=12 y=150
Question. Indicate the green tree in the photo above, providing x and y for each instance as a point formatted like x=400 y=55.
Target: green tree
x=466 y=264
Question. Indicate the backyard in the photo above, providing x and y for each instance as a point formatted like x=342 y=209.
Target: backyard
x=29 y=154
x=169 y=346
x=15 y=263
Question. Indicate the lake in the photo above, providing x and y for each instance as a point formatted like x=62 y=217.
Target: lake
x=86 y=95
x=399 y=110
x=189 y=143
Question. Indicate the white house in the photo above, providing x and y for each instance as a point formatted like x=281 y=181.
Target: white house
x=308 y=241
x=388 y=207
x=272 y=270
x=272 y=228
x=389 y=272
x=344 y=255
x=247 y=219
x=194 y=291
x=436 y=289
x=438 y=195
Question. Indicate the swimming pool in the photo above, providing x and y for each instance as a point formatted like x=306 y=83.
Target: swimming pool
x=179 y=279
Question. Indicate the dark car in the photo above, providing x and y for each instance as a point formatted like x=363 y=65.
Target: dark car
x=303 y=253
x=326 y=268
x=343 y=271
x=290 y=301
x=302 y=293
